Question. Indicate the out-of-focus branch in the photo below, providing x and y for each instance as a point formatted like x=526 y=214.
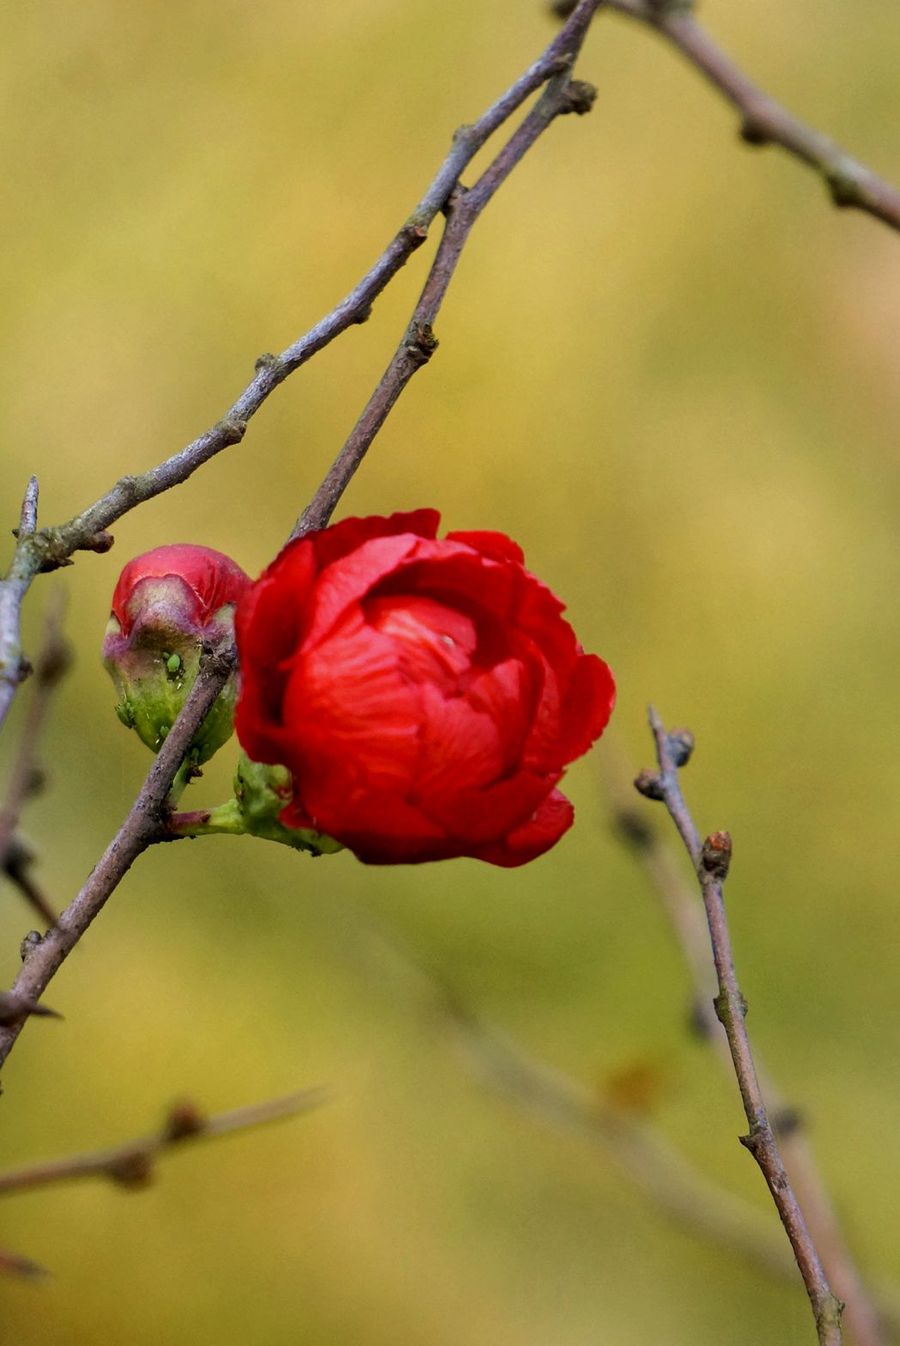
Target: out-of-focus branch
x=764 y=121
x=17 y=866
x=621 y=1135
x=711 y=859
x=49 y=548
x=678 y=899
x=143 y=824
x=25 y=776
x=133 y=1163
x=11 y=1264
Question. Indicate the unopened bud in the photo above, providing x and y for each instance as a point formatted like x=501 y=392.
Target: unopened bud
x=169 y=605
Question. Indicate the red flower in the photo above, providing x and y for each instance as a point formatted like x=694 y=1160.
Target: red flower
x=425 y=693
x=167 y=604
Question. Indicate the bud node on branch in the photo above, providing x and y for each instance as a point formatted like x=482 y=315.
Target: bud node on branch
x=579 y=97
x=681 y=746
x=649 y=784
x=233 y=431
x=421 y=343
x=715 y=857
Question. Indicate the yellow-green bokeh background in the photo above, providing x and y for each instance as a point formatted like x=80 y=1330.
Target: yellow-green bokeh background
x=669 y=370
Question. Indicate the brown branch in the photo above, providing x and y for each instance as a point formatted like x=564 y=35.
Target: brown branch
x=711 y=859
x=52 y=547
x=42 y=959
x=562 y=95
x=678 y=899
x=765 y=121
x=132 y=1164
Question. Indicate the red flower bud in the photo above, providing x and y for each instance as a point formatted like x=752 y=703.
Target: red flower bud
x=425 y=694
x=167 y=605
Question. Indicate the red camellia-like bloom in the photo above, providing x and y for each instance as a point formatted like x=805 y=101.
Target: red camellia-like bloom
x=425 y=692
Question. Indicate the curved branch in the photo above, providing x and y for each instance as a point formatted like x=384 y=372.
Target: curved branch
x=765 y=121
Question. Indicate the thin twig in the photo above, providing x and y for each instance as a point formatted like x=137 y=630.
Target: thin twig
x=132 y=1164
x=142 y=825
x=765 y=121
x=711 y=859
x=51 y=547
x=678 y=899
x=562 y=95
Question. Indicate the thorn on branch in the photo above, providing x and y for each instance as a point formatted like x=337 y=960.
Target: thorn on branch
x=715 y=857
x=13 y=1008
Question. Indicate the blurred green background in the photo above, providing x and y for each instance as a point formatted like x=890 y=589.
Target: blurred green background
x=669 y=370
